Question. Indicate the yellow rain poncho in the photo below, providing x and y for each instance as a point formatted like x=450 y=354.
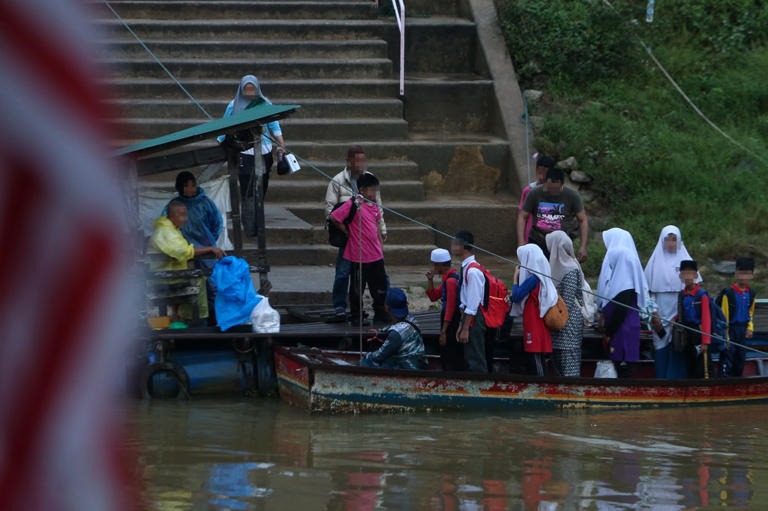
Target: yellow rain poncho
x=167 y=239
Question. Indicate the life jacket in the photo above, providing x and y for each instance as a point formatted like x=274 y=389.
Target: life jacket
x=444 y=293
x=730 y=292
x=690 y=307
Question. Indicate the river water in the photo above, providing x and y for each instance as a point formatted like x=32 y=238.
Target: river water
x=261 y=454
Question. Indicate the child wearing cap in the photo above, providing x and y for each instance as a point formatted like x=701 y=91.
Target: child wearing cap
x=694 y=314
x=403 y=346
x=364 y=249
x=738 y=304
x=451 y=352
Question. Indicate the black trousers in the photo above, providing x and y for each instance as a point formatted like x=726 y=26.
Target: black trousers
x=452 y=354
x=373 y=275
x=246 y=171
x=694 y=360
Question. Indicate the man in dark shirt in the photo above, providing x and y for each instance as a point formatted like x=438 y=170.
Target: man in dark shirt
x=554 y=207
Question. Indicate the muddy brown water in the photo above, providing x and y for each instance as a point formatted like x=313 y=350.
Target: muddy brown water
x=264 y=455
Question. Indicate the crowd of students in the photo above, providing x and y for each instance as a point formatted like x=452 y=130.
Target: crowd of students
x=664 y=296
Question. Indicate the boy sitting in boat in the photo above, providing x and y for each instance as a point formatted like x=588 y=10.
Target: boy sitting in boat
x=403 y=346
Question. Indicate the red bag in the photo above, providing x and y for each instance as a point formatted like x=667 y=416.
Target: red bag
x=495 y=306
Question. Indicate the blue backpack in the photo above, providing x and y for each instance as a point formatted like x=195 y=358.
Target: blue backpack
x=719 y=325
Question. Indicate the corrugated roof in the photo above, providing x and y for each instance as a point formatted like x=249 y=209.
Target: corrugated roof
x=259 y=114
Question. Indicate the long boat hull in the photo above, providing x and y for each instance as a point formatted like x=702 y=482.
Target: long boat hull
x=331 y=383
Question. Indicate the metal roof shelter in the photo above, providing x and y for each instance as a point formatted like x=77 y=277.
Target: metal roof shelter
x=155 y=156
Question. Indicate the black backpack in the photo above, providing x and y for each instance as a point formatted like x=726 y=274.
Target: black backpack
x=336 y=237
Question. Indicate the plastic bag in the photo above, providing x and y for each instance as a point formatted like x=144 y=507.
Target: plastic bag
x=265 y=319
x=605 y=369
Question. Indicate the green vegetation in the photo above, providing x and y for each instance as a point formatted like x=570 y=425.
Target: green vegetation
x=653 y=159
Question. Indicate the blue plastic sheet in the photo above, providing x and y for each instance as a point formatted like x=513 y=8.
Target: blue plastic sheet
x=235 y=295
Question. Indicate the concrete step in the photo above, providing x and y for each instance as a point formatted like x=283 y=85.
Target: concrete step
x=294 y=130
x=429 y=151
x=385 y=170
x=317 y=235
x=321 y=130
x=294 y=190
x=424 y=211
x=241 y=28
x=490 y=218
x=228 y=9
x=310 y=107
x=434 y=45
x=225 y=88
x=129 y=48
x=282 y=68
x=325 y=254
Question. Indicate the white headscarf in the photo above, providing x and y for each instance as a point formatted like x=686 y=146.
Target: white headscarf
x=615 y=239
x=624 y=272
x=663 y=268
x=533 y=263
x=562 y=258
x=240 y=101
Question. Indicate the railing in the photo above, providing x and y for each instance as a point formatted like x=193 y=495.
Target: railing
x=399 y=7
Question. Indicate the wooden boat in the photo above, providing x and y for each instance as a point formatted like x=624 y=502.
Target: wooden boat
x=332 y=382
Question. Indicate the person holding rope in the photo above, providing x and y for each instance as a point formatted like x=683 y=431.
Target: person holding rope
x=364 y=249
x=403 y=346
x=343 y=187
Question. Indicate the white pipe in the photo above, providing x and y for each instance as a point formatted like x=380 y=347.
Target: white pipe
x=400 y=18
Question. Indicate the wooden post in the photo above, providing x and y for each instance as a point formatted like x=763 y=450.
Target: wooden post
x=706 y=365
x=233 y=164
x=261 y=230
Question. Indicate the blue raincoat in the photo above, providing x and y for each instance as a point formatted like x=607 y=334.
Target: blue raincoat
x=235 y=295
x=204 y=225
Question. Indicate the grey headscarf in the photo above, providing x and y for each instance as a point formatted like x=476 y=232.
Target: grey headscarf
x=240 y=101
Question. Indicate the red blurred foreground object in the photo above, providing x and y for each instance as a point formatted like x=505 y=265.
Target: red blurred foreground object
x=66 y=305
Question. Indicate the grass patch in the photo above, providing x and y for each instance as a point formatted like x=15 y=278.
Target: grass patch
x=653 y=159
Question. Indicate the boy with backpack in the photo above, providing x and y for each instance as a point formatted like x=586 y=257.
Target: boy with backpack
x=484 y=303
x=364 y=249
x=451 y=352
x=694 y=313
x=738 y=304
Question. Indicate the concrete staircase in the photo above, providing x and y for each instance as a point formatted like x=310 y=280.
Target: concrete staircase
x=338 y=59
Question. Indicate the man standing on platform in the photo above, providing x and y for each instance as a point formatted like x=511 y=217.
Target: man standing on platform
x=343 y=187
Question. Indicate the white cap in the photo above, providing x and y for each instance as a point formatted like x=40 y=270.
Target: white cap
x=440 y=255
